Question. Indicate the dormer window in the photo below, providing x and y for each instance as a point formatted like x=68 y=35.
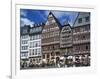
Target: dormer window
x=87 y=19
x=80 y=20
x=25 y=31
x=31 y=30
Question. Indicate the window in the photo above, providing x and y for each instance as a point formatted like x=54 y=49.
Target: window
x=30 y=60
x=33 y=52
x=31 y=30
x=30 y=37
x=38 y=36
x=56 y=33
x=40 y=28
x=30 y=44
x=77 y=29
x=80 y=20
x=83 y=37
x=24 y=42
x=35 y=37
x=87 y=28
x=36 y=29
x=30 y=51
x=24 y=36
x=39 y=43
x=76 y=48
x=87 y=19
x=25 y=31
x=24 y=54
x=37 y=61
x=36 y=44
x=24 y=47
x=47 y=55
x=87 y=47
x=43 y=56
x=69 y=31
x=38 y=51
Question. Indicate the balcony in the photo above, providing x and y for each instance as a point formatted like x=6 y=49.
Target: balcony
x=64 y=45
x=50 y=51
x=82 y=52
x=84 y=32
x=24 y=57
x=34 y=56
x=49 y=43
x=81 y=41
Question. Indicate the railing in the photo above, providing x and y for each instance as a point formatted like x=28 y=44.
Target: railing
x=81 y=41
x=24 y=57
x=81 y=52
x=50 y=51
x=51 y=43
x=75 y=33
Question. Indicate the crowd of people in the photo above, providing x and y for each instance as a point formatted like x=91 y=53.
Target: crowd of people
x=76 y=61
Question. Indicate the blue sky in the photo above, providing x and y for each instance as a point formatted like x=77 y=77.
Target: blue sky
x=30 y=16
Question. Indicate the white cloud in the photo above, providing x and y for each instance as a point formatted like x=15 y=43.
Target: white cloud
x=23 y=13
x=26 y=21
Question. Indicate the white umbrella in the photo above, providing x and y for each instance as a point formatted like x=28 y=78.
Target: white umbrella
x=61 y=58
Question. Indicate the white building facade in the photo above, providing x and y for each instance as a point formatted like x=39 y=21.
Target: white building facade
x=24 y=46
x=30 y=46
x=35 y=55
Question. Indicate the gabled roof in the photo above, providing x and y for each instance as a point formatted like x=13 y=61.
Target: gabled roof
x=81 y=15
x=57 y=21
